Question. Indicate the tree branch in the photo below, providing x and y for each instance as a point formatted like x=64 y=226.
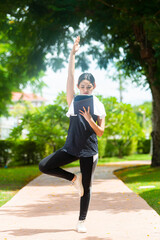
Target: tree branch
x=112 y=6
x=158 y=12
x=158 y=25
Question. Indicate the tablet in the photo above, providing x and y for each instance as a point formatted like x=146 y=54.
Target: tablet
x=81 y=101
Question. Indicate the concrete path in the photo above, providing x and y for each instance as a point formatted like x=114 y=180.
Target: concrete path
x=47 y=209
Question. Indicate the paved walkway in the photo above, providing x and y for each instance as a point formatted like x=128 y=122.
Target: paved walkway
x=47 y=209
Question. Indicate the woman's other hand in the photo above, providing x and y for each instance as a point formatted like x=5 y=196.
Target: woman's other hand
x=76 y=45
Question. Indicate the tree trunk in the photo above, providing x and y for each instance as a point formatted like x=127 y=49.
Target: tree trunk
x=156 y=126
x=149 y=61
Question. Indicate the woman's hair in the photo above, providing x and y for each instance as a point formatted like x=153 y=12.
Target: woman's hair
x=86 y=76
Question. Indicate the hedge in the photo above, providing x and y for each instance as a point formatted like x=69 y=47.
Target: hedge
x=119 y=148
x=144 y=146
x=24 y=152
x=5 y=152
x=110 y=148
x=27 y=152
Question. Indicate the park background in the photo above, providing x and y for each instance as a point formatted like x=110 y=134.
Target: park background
x=32 y=44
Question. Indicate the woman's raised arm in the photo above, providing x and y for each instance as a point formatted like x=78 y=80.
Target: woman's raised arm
x=71 y=68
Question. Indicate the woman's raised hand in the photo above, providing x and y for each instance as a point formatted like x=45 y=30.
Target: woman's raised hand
x=76 y=45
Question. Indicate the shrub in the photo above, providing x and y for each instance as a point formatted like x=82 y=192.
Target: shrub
x=120 y=147
x=5 y=152
x=101 y=147
x=144 y=146
x=25 y=152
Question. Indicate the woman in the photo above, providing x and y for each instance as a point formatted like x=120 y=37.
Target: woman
x=81 y=142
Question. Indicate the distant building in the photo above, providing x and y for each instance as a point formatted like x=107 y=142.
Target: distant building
x=30 y=97
x=6 y=124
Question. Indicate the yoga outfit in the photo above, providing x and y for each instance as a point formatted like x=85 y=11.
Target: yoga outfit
x=81 y=143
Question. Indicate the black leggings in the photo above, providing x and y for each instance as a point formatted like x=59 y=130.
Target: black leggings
x=52 y=163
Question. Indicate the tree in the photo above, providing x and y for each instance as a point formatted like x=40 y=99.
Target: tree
x=119 y=76
x=45 y=26
x=121 y=123
x=144 y=116
x=134 y=26
x=45 y=125
x=15 y=73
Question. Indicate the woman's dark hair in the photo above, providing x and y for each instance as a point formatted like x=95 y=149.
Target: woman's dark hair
x=86 y=76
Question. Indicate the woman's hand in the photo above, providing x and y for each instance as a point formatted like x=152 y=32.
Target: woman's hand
x=76 y=45
x=86 y=114
x=97 y=127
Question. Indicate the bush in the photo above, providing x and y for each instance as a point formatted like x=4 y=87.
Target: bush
x=20 y=153
x=120 y=147
x=26 y=152
x=101 y=147
x=144 y=146
x=5 y=152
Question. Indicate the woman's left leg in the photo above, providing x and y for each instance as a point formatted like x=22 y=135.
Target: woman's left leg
x=87 y=166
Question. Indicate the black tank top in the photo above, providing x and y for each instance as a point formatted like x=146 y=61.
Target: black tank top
x=81 y=140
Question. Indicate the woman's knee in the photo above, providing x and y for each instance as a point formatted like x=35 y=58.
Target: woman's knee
x=42 y=167
x=87 y=190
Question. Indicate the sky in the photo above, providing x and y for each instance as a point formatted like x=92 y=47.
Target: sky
x=104 y=85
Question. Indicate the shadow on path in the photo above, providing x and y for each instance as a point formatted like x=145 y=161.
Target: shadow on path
x=31 y=232
x=61 y=203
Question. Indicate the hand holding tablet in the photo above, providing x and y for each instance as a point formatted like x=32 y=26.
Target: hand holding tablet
x=83 y=101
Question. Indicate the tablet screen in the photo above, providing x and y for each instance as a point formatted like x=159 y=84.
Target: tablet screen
x=81 y=101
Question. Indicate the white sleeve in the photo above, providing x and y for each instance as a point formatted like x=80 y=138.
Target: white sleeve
x=71 y=110
x=99 y=109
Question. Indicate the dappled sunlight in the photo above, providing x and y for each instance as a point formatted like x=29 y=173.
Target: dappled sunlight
x=51 y=205
x=138 y=174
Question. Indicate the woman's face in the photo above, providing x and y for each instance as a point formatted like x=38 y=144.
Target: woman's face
x=86 y=87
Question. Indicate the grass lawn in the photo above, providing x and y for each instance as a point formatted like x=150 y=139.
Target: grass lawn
x=101 y=161
x=145 y=181
x=13 y=179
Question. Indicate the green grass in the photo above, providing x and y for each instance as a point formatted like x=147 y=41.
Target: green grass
x=101 y=161
x=13 y=179
x=137 y=177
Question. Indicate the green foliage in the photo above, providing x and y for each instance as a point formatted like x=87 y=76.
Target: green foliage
x=144 y=116
x=32 y=29
x=61 y=100
x=5 y=152
x=116 y=148
x=14 y=70
x=44 y=130
x=144 y=146
x=48 y=125
x=121 y=121
x=120 y=147
x=101 y=147
x=45 y=125
x=26 y=153
x=122 y=130
x=20 y=152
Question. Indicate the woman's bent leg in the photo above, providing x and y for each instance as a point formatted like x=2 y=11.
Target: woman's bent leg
x=87 y=166
x=51 y=164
